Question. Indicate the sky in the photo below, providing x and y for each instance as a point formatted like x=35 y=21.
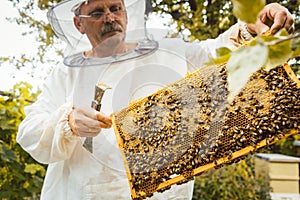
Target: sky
x=10 y=36
x=12 y=43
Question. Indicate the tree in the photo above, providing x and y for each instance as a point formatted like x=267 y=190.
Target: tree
x=209 y=18
x=45 y=37
x=20 y=175
x=236 y=181
x=202 y=18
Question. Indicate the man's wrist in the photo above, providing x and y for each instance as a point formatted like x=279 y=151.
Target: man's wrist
x=244 y=32
x=66 y=128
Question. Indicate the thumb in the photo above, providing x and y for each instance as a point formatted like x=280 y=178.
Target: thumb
x=261 y=27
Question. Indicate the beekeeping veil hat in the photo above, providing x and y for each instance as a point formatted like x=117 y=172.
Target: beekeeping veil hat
x=61 y=16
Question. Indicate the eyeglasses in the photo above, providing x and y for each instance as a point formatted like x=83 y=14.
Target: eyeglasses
x=115 y=11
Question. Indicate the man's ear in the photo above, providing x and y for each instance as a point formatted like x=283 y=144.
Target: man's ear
x=78 y=25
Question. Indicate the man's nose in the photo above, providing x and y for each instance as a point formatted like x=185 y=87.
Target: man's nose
x=109 y=17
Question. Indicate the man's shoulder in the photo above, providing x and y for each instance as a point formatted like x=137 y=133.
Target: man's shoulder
x=173 y=44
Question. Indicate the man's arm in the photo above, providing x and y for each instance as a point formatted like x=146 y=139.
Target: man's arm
x=273 y=17
x=44 y=133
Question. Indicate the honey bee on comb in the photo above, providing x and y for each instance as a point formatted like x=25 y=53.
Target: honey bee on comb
x=189 y=127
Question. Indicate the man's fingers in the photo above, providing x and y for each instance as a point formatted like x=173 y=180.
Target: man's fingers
x=87 y=122
x=261 y=27
x=104 y=125
x=86 y=111
x=273 y=17
x=88 y=125
x=105 y=121
x=289 y=25
x=279 y=22
x=96 y=115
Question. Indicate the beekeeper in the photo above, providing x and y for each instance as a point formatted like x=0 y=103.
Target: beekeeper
x=107 y=43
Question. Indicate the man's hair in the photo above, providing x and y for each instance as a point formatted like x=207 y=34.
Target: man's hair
x=77 y=11
x=76 y=8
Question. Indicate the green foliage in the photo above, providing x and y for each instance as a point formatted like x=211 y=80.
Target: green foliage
x=285 y=146
x=264 y=51
x=208 y=18
x=202 y=18
x=247 y=11
x=238 y=70
x=45 y=38
x=20 y=175
x=295 y=44
x=235 y=182
x=296 y=68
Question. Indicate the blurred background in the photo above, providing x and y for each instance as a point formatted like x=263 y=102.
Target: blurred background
x=29 y=50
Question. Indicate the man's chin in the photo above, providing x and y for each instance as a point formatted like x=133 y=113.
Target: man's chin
x=112 y=34
x=113 y=38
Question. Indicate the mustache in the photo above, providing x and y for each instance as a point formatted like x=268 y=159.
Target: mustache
x=110 y=27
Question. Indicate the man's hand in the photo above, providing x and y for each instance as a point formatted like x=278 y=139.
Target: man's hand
x=273 y=17
x=88 y=122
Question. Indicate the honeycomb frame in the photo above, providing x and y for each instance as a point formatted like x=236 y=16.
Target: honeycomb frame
x=189 y=127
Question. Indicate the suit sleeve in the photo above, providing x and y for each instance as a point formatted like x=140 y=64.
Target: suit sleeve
x=45 y=133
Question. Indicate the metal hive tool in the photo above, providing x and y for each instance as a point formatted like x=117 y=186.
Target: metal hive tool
x=189 y=127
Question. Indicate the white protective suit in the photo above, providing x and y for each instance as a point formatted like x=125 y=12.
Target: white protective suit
x=73 y=172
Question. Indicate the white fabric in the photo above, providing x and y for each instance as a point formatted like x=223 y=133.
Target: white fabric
x=73 y=173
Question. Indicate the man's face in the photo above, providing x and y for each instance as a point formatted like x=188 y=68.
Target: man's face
x=108 y=20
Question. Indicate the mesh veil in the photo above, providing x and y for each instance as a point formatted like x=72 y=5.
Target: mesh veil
x=61 y=20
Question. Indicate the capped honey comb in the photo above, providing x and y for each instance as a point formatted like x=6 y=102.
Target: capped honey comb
x=189 y=127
